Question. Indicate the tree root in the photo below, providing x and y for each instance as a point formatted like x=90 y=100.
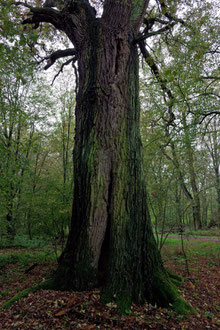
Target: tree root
x=164 y=288
x=44 y=285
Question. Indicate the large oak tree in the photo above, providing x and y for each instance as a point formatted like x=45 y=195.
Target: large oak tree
x=111 y=240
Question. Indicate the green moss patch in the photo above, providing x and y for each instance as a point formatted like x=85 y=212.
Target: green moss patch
x=17 y=297
x=166 y=293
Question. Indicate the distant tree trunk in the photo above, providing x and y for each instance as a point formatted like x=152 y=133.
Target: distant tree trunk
x=29 y=226
x=205 y=206
x=15 y=178
x=218 y=194
x=10 y=222
x=213 y=147
x=192 y=198
x=192 y=175
x=196 y=199
x=10 y=225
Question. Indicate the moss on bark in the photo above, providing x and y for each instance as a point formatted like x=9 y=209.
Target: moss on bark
x=109 y=188
x=166 y=294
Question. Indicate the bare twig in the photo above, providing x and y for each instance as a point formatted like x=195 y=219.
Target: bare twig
x=211 y=77
x=154 y=33
x=214 y=113
x=74 y=59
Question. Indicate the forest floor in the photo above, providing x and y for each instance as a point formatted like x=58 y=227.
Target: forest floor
x=72 y=310
x=209 y=239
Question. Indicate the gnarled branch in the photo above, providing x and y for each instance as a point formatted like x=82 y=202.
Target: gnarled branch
x=71 y=19
x=51 y=59
x=45 y=15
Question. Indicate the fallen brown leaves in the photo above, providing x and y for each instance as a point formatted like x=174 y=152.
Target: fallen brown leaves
x=72 y=310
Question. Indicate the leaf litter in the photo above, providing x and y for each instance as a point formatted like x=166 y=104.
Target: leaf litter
x=47 y=309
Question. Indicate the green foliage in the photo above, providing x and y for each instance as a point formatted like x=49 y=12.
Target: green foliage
x=212 y=263
x=25 y=242
x=23 y=107
x=7 y=259
x=177 y=154
x=34 y=194
x=3 y=293
x=208 y=315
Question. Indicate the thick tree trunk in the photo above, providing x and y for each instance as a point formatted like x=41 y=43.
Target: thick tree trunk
x=111 y=240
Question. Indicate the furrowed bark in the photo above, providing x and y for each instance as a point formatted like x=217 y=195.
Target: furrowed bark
x=111 y=240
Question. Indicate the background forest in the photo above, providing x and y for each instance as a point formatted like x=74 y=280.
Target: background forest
x=37 y=127
x=179 y=78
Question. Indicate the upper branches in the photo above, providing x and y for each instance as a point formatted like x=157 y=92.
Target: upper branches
x=165 y=24
x=166 y=12
x=146 y=34
x=72 y=18
x=39 y=15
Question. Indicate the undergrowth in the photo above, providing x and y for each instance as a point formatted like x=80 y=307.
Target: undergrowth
x=24 y=241
x=212 y=232
x=26 y=258
x=193 y=248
